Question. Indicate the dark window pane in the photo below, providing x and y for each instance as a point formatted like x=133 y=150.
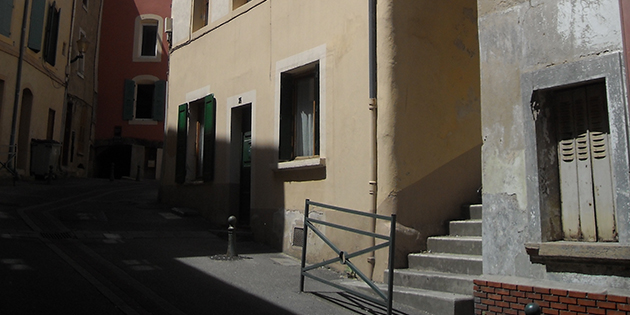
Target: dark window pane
x=149 y=40
x=52 y=31
x=144 y=101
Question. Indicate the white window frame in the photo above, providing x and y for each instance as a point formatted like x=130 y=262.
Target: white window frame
x=81 y=61
x=142 y=79
x=317 y=54
x=148 y=19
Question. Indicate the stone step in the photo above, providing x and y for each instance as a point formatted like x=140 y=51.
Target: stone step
x=465 y=245
x=434 y=281
x=452 y=263
x=432 y=302
x=465 y=228
x=473 y=211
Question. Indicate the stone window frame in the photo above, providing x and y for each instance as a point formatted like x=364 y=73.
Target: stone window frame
x=317 y=54
x=147 y=19
x=544 y=244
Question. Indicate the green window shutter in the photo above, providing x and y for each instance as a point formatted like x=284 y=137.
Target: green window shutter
x=182 y=138
x=159 y=99
x=36 y=27
x=209 y=137
x=52 y=34
x=6 y=11
x=286 y=118
x=129 y=99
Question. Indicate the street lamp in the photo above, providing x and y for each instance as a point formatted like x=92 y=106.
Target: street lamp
x=82 y=46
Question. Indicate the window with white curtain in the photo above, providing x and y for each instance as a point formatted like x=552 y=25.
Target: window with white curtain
x=299 y=113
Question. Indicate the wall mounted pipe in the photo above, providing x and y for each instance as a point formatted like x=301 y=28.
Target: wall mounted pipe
x=18 y=87
x=373 y=124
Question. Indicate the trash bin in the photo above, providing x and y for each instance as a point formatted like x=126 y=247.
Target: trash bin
x=44 y=153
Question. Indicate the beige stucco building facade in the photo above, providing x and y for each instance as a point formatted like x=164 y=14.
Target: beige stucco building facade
x=291 y=79
x=41 y=91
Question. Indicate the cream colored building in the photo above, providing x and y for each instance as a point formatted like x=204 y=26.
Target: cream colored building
x=292 y=79
x=41 y=92
x=77 y=152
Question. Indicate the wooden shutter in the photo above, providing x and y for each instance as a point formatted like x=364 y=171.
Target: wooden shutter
x=159 y=100
x=285 y=151
x=36 y=27
x=567 y=164
x=209 y=137
x=601 y=164
x=129 y=99
x=585 y=172
x=182 y=139
x=6 y=12
x=52 y=32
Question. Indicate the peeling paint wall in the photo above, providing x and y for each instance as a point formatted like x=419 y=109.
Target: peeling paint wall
x=527 y=46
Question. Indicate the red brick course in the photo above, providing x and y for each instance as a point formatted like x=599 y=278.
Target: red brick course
x=506 y=298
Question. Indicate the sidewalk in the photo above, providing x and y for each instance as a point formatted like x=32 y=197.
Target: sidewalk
x=81 y=246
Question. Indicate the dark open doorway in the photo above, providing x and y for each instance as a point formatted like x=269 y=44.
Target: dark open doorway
x=241 y=154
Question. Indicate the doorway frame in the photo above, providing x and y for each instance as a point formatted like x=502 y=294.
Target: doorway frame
x=234 y=144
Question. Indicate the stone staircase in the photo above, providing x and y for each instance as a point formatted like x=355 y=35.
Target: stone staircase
x=440 y=280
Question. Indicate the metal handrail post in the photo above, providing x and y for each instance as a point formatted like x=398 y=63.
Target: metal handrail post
x=392 y=251
x=306 y=205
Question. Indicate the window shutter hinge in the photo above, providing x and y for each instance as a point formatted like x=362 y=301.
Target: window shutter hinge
x=372 y=187
x=372 y=105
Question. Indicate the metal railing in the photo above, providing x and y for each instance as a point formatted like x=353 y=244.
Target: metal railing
x=386 y=298
x=9 y=152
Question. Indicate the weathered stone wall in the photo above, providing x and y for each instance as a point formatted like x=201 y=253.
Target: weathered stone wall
x=529 y=46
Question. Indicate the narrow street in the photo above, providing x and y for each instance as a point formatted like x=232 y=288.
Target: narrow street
x=91 y=246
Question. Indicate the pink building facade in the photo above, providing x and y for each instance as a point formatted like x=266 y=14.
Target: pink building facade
x=132 y=87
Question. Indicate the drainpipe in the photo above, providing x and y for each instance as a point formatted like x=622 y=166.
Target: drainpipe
x=18 y=87
x=373 y=125
x=64 y=113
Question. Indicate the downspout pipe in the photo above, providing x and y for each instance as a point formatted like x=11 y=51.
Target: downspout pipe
x=373 y=126
x=18 y=87
x=67 y=83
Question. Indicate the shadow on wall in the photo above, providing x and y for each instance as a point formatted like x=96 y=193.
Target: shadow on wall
x=250 y=191
x=426 y=207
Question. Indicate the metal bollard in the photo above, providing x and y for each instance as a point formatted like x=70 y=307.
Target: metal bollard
x=533 y=309
x=231 y=250
x=138 y=174
x=111 y=173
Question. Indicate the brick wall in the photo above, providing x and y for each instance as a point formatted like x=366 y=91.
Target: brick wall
x=504 y=298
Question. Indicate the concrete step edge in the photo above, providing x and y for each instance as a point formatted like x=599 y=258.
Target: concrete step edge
x=462 y=238
x=459 y=276
x=468 y=221
x=434 y=302
x=449 y=256
x=443 y=262
x=433 y=280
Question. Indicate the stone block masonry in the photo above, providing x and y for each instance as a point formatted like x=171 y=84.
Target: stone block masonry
x=507 y=298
